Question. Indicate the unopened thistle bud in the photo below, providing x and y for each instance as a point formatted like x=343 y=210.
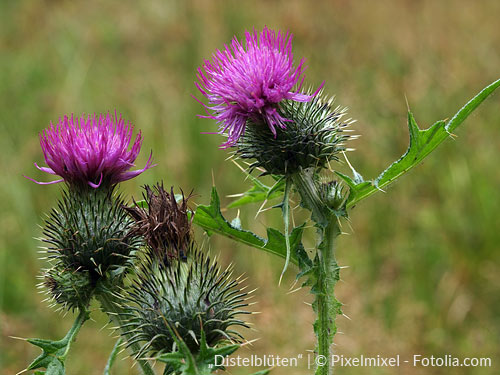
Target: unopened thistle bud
x=182 y=299
x=68 y=288
x=165 y=224
x=314 y=136
x=90 y=241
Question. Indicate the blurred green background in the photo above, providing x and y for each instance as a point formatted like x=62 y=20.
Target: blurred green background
x=423 y=259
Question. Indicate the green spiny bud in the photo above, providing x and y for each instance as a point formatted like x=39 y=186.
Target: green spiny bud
x=67 y=288
x=89 y=240
x=182 y=298
x=332 y=194
x=314 y=135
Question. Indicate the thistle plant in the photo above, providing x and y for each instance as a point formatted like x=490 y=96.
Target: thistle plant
x=165 y=296
x=298 y=139
x=169 y=300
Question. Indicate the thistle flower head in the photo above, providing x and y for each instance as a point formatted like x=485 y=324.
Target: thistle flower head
x=248 y=80
x=183 y=299
x=314 y=136
x=164 y=224
x=90 y=151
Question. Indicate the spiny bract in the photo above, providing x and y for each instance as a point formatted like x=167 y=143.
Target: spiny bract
x=88 y=234
x=314 y=136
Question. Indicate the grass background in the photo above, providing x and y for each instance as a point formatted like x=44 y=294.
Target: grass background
x=423 y=260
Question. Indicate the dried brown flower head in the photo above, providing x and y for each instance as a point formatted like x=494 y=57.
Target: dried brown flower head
x=164 y=223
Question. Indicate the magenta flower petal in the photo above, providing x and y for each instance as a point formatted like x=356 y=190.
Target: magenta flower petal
x=44 y=169
x=248 y=79
x=91 y=150
x=44 y=183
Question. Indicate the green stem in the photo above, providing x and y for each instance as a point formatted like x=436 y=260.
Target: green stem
x=326 y=305
x=112 y=357
x=82 y=317
x=113 y=312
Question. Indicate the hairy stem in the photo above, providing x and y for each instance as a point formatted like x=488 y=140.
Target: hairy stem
x=113 y=312
x=326 y=269
x=326 y=305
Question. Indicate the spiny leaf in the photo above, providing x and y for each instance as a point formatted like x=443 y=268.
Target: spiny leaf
x=210 y=218
x=184 y=362
x=306 y=266
x=259 y=192
x=207 y=355
x=54 y=352
x=422 y=143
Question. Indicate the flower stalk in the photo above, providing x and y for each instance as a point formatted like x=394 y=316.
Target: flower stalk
x=326 y=305
x=325 y=266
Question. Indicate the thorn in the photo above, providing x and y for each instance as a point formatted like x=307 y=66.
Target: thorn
x=294 y=290
x=348 y=162
x=235 y=195
x=407 y=105
x=250 y=342
x=293 y=284
x=239 y=166
x=18 y=338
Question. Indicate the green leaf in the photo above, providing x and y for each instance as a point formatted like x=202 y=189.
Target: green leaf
x=307 y=267
x=211 y=220
x=54 y=352
x=184 y=362
x=285 y=210
x=422 y=143
x=259 y=192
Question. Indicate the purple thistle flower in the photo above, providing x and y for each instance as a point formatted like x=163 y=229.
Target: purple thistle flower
x=90 y=150
x=248 y=80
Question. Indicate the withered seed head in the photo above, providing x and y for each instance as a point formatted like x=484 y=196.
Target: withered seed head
x=164 y=224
